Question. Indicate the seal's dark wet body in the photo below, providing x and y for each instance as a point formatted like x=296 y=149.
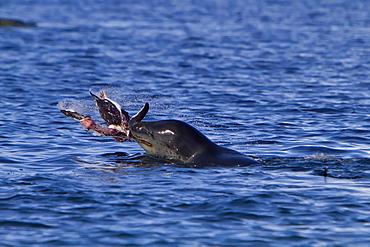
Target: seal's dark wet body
x=180 y=141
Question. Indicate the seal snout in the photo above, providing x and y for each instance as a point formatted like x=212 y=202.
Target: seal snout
x=142 y=135
x=140 y=130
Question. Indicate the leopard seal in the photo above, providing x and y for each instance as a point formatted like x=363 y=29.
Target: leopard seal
x=179 y=141
x=171 y=140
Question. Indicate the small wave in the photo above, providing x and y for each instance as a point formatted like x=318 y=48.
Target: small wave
x=322 y=157
x=315 y=149
x=7 y=161
x=17 y=224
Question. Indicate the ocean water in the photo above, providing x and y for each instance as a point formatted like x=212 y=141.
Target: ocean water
x=284 y=81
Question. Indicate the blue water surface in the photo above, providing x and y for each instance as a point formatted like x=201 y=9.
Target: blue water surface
x=284 y=81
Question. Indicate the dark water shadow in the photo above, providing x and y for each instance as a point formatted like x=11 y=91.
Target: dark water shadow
x=316 y=165
x=322 y=165
x=121 y=162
